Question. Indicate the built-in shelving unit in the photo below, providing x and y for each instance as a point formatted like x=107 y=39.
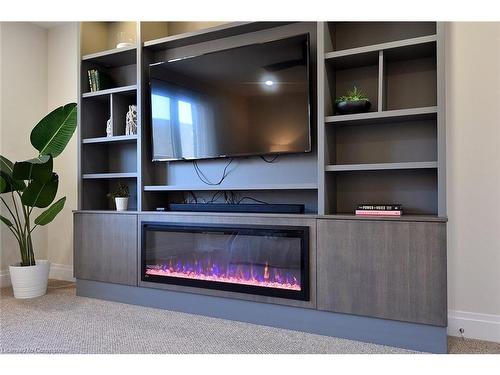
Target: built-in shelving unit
x=106 y=161
x=395 y=152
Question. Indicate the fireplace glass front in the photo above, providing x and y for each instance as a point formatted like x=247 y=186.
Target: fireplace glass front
x=265 y=260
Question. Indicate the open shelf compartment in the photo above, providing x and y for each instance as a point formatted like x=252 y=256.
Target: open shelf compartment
x=346 y=35
x=416 y=190
x=112 y=157
x=160 y=199
x=341 y=77
x=399 y=141
x=410 y=77
x=99 y=39
x=94 y=193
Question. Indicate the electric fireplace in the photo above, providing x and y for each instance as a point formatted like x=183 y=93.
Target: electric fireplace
x=264 y=260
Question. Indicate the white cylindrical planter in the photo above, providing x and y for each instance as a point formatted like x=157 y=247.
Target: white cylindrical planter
x=30 y=281
x=121 y=204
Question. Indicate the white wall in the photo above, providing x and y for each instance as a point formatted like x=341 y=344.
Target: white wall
x=62 y=88
x=23 y=98
x=473 y=178
x=38 y=74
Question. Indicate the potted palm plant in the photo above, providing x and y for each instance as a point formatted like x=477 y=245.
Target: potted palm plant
x=120 y=195
x=26 y=187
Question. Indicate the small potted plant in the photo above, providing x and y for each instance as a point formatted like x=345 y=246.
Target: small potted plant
x=354 y=102
x=120 y=195
x=28 y=186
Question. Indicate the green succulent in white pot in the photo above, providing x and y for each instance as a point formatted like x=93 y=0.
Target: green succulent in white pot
x=28 y=190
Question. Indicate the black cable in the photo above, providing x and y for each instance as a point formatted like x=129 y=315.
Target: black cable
x=188 y=200
x=252 y=199
x=214 y=197
x=204 y=178
x=270 y=161
x=230 y=197
x=234 y=197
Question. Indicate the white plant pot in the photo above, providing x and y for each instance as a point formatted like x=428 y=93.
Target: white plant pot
x=121 y=204
x=30 y=281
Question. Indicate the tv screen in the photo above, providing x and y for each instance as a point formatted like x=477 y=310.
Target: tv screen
x=249 y=100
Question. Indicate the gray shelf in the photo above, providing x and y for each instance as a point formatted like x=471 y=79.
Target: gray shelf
x=221 y=31
x=423 y=113
x=412 y=218
x=219 y=187
x=117 y=138
x=115 y=90
x=367 y=50
x=94 y=176
x=340 y=216
x=381 y=166
x=113 y=57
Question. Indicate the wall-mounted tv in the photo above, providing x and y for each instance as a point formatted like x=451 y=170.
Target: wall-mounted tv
x=249 y=100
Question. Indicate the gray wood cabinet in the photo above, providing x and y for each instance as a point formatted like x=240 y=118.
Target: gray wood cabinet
x=384 y=269
x=105 y=247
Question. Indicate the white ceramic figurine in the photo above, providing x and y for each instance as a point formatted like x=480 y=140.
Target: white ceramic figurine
x=131 y=120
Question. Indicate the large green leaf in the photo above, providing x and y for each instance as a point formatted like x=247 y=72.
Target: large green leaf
x=6 y=168
x=49 y=214
x=6 y=221
x=6 y=165
x=51 y=135
x=40 y=194
x=3 y=184
x=39 y=169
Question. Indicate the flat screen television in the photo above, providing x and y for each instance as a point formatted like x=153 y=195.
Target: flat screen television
x=248 y=100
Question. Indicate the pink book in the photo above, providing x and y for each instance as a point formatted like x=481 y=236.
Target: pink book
x=378 y=213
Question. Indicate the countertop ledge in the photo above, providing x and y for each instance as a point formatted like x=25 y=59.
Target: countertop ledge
x=403 y=218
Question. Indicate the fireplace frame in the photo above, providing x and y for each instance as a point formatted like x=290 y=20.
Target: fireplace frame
x=301 y=232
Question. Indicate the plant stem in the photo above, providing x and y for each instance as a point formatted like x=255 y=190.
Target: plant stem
x=16 y=229
x=19 y=226
x=29 y=244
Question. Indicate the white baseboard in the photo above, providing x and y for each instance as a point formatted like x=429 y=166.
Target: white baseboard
x=475 y=325
x=61 y=272
x=57 y=272
x=4 y=278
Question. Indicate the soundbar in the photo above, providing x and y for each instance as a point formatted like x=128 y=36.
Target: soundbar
x=243 y=208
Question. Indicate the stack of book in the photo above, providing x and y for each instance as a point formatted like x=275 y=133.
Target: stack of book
x=97 y=80
x=379 y=210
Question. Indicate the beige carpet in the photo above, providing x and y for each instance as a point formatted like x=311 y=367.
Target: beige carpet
x=457 y=345
x=60 y=322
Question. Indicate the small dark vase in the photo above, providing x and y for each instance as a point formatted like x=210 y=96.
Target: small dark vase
x=348 y=107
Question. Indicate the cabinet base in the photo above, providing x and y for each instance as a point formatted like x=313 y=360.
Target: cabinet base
x=405 y=335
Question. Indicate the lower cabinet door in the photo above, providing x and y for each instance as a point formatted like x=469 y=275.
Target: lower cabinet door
x=105 y=247
x=385 y=269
